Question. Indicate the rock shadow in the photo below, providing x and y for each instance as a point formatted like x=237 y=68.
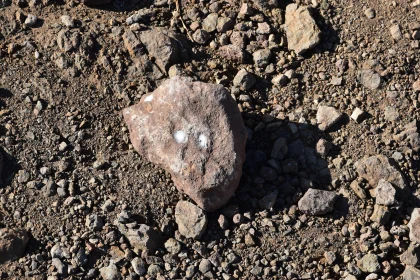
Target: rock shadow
x=10 y=168
x=286 y=168
x=330 y=37
x=123 y=5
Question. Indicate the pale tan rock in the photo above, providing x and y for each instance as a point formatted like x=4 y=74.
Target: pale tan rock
x=301 y=30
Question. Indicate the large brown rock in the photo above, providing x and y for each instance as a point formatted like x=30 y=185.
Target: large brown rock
x=195 y=131
x=12 y=244
x=378 y=167
x=301 y=29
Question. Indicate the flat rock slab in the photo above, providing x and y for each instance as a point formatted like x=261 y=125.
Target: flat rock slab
x=378 y=167
x=195 y=131
x=317 y=202
x=301 y=30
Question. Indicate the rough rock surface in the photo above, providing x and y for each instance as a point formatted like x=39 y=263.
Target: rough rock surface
x=12 y=244
x=327 y=116
x=301 y=29
x=385 y=193
x=166 y=47
x=379 y=167
x=414 y=225
x=110 y=272
x=411 y=273
x=142 y=238
x=191 y=220
x=244 y=80
x=317 y=202
x=369 y=263
x=369 y=79
x=195 y=131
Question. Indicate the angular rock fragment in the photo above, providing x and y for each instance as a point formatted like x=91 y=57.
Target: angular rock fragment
x=369 y=263
x=357 y=115
x=411 y=273
x=210 y=22
x=369 y=79
x=195 y=131
x=232 y=53
x=379 y=167
x=301 y=30
x=142 y=238
x=244 y=80
x=410 y=135
x=385 y=193
x=166 y=47
x=132 y=44
x=12 y=244
x=110 y=272
x=31 y=20
x=201 y=36
x=414 y=225
x=358 y=190
x=380 y=214
x=411 y=255
x=327 y=116
x=317 y=202
x=191 y=220
x=396 y=32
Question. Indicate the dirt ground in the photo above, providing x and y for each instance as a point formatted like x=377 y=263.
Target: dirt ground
x=61 y=122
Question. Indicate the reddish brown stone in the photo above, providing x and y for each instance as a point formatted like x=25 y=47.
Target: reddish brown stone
x=195 y=131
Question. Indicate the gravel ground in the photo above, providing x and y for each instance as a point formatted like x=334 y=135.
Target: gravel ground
x=329 y=95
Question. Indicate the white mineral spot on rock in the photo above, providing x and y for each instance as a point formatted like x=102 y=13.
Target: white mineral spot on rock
x=202 y=141
x=180 y=137
x=148 y=98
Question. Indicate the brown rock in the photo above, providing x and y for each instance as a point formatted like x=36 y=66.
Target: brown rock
x=191 y=220
x=380 y=214
x=232 y=53
x=411 y=273
x=379 y=167
x=142 y=238
x=416 y=85
x=301 y=29
x=12 y=244
x=132 y=44
x=414 y=225
x=327 y=116
x=195 y=131
x=165 y=46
